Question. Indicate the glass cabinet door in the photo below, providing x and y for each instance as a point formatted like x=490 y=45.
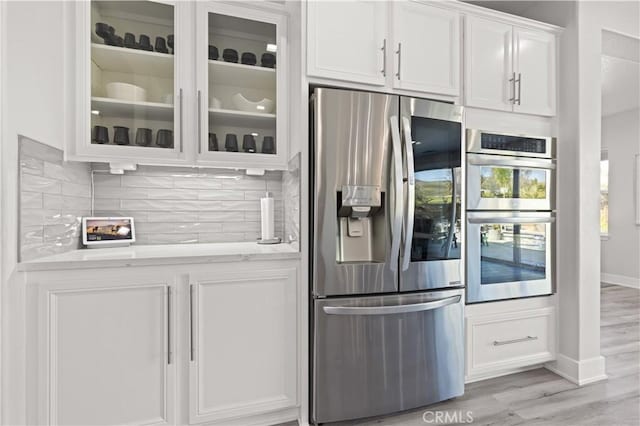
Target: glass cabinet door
x=133 y=60
x=239 y=95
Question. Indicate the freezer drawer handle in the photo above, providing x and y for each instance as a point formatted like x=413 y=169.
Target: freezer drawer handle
x=388 y=310
x=512 y=219
x=508 y=342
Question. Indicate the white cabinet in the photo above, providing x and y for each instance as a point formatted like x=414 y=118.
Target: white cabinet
x=104 y=352
x=177 y=92
x=405 y=45
x=244 y=343
x=426 y=42
x=502 y=337
x=509 y=68
x=535 y=66
x=347 y=40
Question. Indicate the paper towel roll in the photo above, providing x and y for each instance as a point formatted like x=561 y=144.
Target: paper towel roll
x=267 y=217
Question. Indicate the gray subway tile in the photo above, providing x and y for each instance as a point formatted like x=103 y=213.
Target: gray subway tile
x=30 y=200
x=147 y=181
x=40 y=184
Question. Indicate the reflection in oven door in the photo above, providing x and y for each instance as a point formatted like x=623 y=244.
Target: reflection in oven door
x=510 y=255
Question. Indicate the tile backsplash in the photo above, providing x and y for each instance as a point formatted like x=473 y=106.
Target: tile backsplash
x=186 y=205
x=54 y=195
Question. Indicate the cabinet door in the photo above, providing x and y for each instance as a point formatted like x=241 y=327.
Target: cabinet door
x=346 y=40
x=242 y=63
x=488 y=67
x=426 y=42
x=131 y=58
x=535 y=65
x=244 y=345
x=104 y=355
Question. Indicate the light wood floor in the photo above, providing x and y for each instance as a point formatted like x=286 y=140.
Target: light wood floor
x=539 y=397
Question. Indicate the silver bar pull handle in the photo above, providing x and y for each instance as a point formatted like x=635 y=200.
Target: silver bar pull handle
x=514 y=219
x=519 y=81
x=180 y=118
x=399 y=52
x=389 y=310
x=411 y=192
x=512 y=162
x=512 y=86
x=191 y=331
x=509 y=342
x=199 y=122
x=384 y=57
x=396 y=225
x=169 y=337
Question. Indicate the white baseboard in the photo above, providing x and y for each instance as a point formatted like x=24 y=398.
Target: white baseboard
x=620 y=280
x=579 y=372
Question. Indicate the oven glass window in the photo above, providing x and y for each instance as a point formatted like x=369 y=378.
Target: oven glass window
x=512 y=252
x=506 y=182
x=437 y=160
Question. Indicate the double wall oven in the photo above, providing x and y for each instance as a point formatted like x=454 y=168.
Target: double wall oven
x=510 y=216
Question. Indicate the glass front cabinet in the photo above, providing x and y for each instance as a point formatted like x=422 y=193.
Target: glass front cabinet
x=192 y=83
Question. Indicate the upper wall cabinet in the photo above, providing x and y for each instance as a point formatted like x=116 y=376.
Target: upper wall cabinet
x=242 y=83
x=509 y=68
x=131 y=84
x=426 y=42
x=405 y=45
x=168 y=82
x=347 y=41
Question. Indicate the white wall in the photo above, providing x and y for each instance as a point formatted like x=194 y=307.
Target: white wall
x=621 y=251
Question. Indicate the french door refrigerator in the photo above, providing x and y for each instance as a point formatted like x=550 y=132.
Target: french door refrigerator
x=387 y=288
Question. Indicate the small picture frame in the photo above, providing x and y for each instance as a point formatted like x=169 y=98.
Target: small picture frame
x=108 y=231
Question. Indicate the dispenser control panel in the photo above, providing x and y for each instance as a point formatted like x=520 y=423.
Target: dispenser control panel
x=359 y=195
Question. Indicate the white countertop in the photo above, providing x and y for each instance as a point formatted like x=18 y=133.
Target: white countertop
x=141 y=255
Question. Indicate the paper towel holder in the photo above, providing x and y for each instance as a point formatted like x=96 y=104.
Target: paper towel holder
x=275 y=240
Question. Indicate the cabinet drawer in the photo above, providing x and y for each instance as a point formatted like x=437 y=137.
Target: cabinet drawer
x=509 y=340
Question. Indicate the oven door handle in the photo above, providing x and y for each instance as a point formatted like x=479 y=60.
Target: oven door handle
x=511 y=219
x=477 y=160
x=393 y=309
x=411 y=194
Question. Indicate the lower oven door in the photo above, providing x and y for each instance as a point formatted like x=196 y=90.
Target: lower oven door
x=510 y=255
x=382 y=354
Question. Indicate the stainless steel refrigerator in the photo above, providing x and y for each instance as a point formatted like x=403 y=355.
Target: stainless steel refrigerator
x=387 y=280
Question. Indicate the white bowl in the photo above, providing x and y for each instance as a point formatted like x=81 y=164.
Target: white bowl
x=243 y=104
x=126 y=92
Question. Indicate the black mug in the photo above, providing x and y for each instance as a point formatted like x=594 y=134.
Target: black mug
x=213 y=142
x=105 y=32
x=145 y=42
x=248 y=58
x=248 y=143
x=161 y=45
x=231 y=143
x=164 y=138
x=130 y=41
x=213 y=53
x=268 y=145
x=100 y=135
x=230 y=55
x=121 y=135
x=268 y=60
x=143 y=137
x=170 y=43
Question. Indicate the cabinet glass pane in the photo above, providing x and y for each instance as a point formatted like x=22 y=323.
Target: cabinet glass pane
x=512 y=252
x=132 y=74
x=437 y=166
x=242 y=85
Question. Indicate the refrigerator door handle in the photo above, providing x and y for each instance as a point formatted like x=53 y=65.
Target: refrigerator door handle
x=394 y=309
x=411 y=192
x=396 y=215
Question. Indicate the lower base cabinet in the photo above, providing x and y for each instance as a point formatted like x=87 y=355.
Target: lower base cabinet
x=211 y=344
x=244 y=345
x=504 y=337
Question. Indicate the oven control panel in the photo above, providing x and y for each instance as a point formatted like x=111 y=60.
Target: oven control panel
x=513 y=143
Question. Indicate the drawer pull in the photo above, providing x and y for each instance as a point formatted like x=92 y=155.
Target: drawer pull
x=508 y=342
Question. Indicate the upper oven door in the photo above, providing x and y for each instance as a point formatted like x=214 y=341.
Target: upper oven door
x=433 y=141
x=497 y=182
x=510 y=255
